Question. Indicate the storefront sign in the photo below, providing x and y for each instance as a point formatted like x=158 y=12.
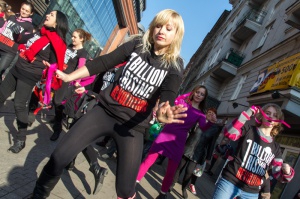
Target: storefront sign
x=280 y=75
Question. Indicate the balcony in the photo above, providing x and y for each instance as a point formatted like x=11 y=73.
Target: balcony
x=249 y=25
x=293 y=15
x=258 y=2
x=229 y=64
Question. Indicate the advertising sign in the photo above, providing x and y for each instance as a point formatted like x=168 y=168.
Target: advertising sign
x=280 y=75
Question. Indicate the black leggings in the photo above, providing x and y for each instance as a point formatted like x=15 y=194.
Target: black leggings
x=22 y=95
x=189 y=167
x=90 y=127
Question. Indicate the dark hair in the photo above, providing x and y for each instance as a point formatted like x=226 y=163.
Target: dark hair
x=28 y=4
x=83 y=35
x=62 y=26
x=202 y=103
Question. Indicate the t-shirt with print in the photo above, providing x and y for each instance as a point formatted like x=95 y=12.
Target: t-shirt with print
x=133 y=94
x=31 y=72
x=252 y=160
x=72 y=57
x=8 y=42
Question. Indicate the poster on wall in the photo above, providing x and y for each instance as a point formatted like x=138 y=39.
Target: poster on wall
x=280 y=75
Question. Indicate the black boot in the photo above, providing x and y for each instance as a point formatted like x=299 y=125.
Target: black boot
x=99 y=174
x=57 y=128
x=17 y=147
x=161 y=196
x=55 y=135
x=44 y=185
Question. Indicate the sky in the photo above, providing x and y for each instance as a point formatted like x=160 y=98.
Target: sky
x=199 y=17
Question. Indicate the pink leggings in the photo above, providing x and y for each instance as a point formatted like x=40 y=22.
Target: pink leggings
x=171 y=170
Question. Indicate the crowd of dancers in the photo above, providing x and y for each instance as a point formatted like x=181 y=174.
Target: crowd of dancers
x=134 y=77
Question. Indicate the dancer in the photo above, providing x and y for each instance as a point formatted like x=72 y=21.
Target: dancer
x=257 y=151
x=47 y=44
x=153 y=70
x=12 y=34
x=170 y=142
x=75 y=58
x=195 y=152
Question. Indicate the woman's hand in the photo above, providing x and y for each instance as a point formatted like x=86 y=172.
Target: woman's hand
x=63 y=76
x=254 y=110
x=168 y=114
x=286 y=168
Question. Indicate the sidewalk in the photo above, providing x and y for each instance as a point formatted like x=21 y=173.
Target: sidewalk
x=18 y=172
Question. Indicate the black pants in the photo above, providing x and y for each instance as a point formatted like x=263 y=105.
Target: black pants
x=22 y=95
x=189 y=167
x=90 y=127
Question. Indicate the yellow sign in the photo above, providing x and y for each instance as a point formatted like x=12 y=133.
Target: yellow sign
x=280 y=75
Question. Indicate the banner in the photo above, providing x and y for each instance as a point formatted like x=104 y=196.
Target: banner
x=280 y=75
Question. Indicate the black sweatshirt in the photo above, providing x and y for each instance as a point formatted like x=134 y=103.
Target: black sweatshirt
x=137 y=85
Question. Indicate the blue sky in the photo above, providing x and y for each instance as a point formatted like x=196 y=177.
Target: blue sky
x=199 y=16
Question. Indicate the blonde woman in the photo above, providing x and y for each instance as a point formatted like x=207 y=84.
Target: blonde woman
x=153 y=70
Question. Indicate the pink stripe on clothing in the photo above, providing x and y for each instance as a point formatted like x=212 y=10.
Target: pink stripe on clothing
x=47 y=95
x=237 y=124
x=81 y=63
x=146 y=164
x=87 y=80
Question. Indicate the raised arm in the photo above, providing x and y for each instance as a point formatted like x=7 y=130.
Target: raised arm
x=234 y=130
x=102 y=63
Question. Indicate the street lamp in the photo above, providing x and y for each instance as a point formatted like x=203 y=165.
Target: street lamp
x=235 y=104
x=276 y=95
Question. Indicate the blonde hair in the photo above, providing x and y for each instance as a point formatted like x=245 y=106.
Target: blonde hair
x=173 y=53
x=276 y=129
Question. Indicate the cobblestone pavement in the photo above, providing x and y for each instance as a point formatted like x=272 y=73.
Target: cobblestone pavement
x=18 y=172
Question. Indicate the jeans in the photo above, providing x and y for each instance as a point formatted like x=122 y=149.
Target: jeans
x=227 y=190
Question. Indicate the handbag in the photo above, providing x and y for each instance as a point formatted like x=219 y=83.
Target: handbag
x=198 y=171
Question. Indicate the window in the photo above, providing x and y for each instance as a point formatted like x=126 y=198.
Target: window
x=215 y=57
x=238 y=87
x=264 y=38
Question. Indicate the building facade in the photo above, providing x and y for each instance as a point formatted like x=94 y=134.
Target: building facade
x=252 y=57
x=109 y=21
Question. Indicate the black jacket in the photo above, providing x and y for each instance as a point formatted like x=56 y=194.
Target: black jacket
x=199 y=145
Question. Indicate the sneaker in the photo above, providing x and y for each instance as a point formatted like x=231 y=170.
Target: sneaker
x=17 y=147
x=192 y=189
